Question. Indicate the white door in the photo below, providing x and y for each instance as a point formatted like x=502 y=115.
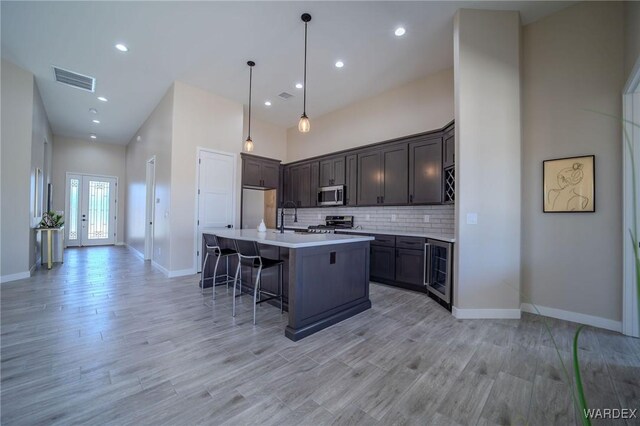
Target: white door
x=216 y=184
x=150 y=208
x=91 y=210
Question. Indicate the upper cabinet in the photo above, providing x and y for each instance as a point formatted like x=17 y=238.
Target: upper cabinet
x=416 y=169
x=382 y=176
x=332 y=171
x=260 y=172
x=425 y=171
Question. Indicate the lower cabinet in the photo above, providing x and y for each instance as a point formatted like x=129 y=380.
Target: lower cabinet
x=410 y=267
x=383 y=263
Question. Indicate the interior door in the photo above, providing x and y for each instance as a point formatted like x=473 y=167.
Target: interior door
x=91 y=210
x=216 y=177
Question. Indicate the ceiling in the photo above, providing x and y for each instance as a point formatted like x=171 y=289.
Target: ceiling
x=207 y=44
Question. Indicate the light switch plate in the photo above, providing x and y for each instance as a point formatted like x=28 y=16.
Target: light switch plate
x=368 y=217
x=319 y=216
x=472 y=218
x=393 y=217
x=427 y=218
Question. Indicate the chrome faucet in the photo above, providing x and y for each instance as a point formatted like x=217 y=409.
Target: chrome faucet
x=282 y=214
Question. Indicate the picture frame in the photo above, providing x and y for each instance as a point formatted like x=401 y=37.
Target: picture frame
x=568 y=185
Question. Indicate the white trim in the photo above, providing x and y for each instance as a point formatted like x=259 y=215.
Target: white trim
x=135 y=251
x=234 y=196
x=630 y=106
x=181 y=273
x=160 y=267
x=15 y=277
x=34 y=266
x=579 y=318
x=120 y=243
x=149 y=237
x=486 y=313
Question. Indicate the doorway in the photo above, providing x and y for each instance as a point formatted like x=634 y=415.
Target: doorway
x=91 y=210
x=215 y=196
x=150 y=208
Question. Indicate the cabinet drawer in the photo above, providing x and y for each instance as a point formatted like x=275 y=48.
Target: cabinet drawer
x=384 y=240
x=415 y=243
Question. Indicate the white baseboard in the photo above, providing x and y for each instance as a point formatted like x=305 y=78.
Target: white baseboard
x=135 y=251
x=486 y=313
x=181 y=273
x=15 y=277
x=160 y=267
x=591 y=320
x=33 y=267
x=121 y=243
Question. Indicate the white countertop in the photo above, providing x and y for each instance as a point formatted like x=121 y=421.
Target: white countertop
x=440 y=237
x=290 y=239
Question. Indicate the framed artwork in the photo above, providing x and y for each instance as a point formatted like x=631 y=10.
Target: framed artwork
x=568 y=185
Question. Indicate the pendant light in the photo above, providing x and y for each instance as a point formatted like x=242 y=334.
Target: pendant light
x=248 y=144
x=303 y=125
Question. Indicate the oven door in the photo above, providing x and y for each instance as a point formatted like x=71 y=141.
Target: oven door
x=331 y=195
x=437 y=274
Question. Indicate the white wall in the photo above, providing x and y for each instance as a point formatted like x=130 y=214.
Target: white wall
x=201 y=119
x=270 y=140
x=631 y=35
x=91 y=158
x=416 y=107
x=17 y=114
x=573 y=63
x=487 y=96
x=155 y=140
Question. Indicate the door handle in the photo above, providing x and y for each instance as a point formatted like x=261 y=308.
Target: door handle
x=150 y=223
x=411 y=198
x=229 y=226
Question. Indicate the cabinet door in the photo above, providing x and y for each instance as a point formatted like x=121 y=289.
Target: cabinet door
x=369 y=178
x=410 y=267
x=270 y=175
x=351 y=180
x=294 y=185
x=338 y=171
x=383 y=263
x=304 y=187
x=449 y=150
x=251 y=172
x=286 y=185
x=326 y=172
x=425 y=171
x=315 y=174
x=395 y=175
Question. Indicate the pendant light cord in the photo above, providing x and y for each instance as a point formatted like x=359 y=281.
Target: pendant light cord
x=250 y=79
x=304 y=102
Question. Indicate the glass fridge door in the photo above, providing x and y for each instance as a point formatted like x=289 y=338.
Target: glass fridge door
x=439 y=269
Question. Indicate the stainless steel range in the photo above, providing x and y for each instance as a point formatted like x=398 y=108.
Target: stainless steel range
x=331 y=224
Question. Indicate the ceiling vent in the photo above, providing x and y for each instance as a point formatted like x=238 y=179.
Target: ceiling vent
x=285 y=95
x=74 y=79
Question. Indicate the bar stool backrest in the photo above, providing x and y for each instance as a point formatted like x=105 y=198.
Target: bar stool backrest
x=210 y=240
x=227 y=243
x=247 y=248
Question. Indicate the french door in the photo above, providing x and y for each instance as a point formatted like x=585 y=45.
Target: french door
x=91 y=210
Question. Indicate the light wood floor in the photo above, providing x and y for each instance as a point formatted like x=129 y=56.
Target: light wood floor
x=106 y=339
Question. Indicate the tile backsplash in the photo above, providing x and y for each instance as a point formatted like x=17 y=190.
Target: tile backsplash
x=407 y=218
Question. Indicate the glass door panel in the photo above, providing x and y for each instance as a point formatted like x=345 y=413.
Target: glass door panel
x=91 y=207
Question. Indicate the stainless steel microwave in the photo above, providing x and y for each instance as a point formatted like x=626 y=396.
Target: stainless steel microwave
x=331 y=195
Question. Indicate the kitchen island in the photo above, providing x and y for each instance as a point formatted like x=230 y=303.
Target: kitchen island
x=328 y=276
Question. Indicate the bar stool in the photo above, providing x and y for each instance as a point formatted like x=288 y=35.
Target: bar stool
x=249 y=255
x=212 y=247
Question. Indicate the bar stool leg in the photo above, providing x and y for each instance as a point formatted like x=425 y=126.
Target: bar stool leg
x=227 y=276
x=255 y=294
x=215 y=274
x=204 y=266
x=233 y=313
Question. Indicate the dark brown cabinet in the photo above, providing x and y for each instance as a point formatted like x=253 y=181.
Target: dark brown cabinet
x=382 y=176
x=298 y=189
x=383 y=263
x=410 y=266
x=314 y=184
x=425 y=171
x=449 y=150
x=332 y=171
x=351 y=180
x=260 y=172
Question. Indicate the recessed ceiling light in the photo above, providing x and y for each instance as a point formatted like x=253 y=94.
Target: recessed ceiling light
x=93 y=110
x=96 y=121
x=102 y=98
x=339 y=64
x=267 y=103
x=92 y=136
x=400 y=31
x=298 y=85
x=121 y=47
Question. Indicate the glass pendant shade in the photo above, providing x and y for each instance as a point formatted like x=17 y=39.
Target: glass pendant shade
x=248 y=145
x=304 y=125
